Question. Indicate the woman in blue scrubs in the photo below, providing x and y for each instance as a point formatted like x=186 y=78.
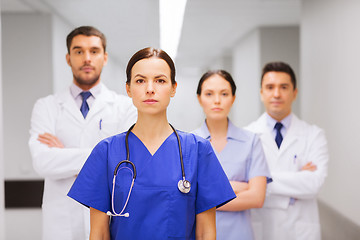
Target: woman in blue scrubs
x=239 y=152
x=154 y=208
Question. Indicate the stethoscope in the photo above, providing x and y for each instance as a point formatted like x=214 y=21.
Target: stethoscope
x=184 y=185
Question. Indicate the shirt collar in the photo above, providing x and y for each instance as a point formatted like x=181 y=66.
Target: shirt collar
x=204 y=131
x=231 y=131
x=75 y=90
x=285 y=122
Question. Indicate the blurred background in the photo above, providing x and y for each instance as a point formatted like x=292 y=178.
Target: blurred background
x=318 y=38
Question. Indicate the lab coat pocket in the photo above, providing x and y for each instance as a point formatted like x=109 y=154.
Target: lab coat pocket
x=182 y=210
x=307 y=231
x=108 y=127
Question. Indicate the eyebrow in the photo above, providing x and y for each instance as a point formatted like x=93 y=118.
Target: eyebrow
x=139 y=75
x=281 y=84
x=79 y=47
x=221 y=90
x=158 y=76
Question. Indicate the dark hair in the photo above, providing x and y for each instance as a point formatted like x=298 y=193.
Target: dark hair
x=150 y=52
x=221 y=73
x=87 y=31
x=279 y=67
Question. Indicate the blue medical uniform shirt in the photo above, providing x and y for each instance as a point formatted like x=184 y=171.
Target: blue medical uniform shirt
x=242 y=159
x=157 y=209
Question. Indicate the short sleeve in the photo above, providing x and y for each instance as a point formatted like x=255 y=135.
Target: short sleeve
x=213 y=186
x=257 y=165
x=91 y=186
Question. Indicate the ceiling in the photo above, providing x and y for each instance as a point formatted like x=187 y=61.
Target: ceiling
x=210 y=29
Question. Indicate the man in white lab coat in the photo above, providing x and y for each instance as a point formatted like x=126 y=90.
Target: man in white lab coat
x=297 y=155
x=66 y=126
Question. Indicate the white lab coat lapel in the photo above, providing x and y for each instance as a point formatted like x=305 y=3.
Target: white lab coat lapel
x=266 y=136
x=268 y=141
x=292 y=135
x=104 y=98
x=67 y=103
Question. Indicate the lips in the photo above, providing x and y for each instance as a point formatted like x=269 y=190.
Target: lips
x=150 y=101
x=216 y=109
x=87 y=68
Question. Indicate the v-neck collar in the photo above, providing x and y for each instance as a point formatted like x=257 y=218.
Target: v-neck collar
x=157 y=150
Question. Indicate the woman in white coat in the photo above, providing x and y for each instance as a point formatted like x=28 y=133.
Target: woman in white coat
x=298 y=165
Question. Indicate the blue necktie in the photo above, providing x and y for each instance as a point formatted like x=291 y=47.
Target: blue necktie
x=84 y=105
x=279 y=137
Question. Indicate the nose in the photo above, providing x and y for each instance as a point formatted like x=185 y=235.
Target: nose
x=87 y=57
x=150 y=88
x=217 y=98
x=277 y=92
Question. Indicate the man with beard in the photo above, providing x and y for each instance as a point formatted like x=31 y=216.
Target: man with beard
x=66 y=126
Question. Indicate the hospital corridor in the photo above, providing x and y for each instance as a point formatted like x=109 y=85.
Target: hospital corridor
x=319 y=39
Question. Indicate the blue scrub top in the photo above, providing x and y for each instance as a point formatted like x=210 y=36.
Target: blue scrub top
x=157 y=209
x=242 y=159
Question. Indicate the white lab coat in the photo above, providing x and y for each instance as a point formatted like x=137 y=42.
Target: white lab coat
x=278 y=219
x=110 y=113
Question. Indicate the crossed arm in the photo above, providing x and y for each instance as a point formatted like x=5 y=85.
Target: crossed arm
x=50 y=140
x=252 y=194
x=248 y=195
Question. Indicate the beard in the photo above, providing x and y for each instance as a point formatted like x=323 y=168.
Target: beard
x=87 y=82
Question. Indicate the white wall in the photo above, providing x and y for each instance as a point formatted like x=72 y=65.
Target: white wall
x=245 y=71
x=2 y=204
x=62 y=76
x=184 y=111
x=27 y=73
x=113 y=74
x=330 y=51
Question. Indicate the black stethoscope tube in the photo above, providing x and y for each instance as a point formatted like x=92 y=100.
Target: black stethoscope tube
x=127 y=154
x=180 y=152
x=133 y=165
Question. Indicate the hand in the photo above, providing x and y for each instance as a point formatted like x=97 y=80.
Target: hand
x=50 y=140
x=239 y=186
x=309 y=167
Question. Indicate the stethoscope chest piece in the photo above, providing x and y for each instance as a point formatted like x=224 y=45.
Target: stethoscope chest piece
x=184 y=186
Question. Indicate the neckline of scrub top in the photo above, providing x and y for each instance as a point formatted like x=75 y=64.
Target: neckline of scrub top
x=152 y=155
x=231 y=134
